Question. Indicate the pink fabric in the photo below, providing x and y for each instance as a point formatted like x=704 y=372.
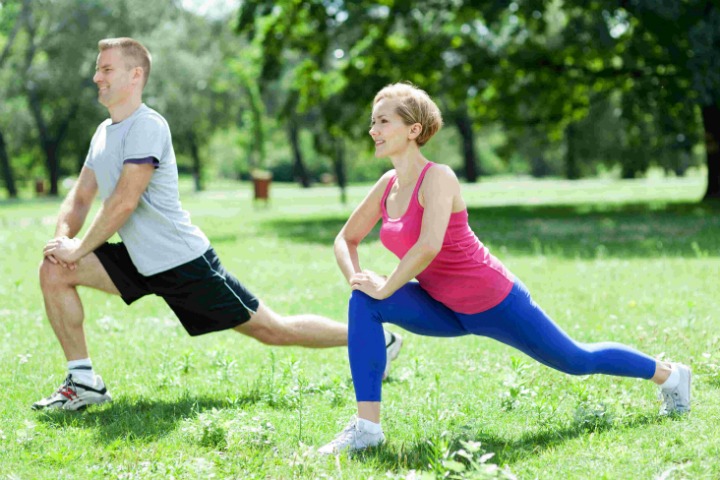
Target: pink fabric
x=464 y=276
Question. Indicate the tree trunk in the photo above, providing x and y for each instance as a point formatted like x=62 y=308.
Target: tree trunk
x=196 y=165
x=7 y=172
x=52 y=163
x=711 y=123
x=464 y=125
x=256 y=157
x=339 y=164
x=50 y=144
x=572 y=172
x=299 y=170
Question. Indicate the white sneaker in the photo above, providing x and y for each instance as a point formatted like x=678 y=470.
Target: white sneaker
x=677 y=400
x=72 y=395
x=352 y=439
x=392 y=346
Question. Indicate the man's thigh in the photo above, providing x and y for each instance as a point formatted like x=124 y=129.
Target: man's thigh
x=92 y=274
x=89 y=272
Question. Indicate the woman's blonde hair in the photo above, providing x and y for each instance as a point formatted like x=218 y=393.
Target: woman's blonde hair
x=133 y=52
x=415 y=106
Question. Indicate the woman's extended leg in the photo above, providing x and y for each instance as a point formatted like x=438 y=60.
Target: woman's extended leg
x=519 y=322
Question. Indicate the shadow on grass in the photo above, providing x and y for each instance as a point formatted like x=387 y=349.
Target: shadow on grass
x=574 y=231
x=507 y=451
x=140 y=420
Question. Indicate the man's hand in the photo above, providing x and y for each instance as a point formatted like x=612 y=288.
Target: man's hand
x=370 y=283
x=63 y=251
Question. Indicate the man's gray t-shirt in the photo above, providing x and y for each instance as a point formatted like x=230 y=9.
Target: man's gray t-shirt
x=158 y=235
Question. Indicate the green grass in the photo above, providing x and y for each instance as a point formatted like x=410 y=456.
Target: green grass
x=629 y=261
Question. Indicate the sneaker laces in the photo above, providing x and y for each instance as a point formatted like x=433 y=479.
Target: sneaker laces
x=68 y=389
x=346 y=436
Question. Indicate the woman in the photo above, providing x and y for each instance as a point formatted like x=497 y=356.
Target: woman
x=461 y=288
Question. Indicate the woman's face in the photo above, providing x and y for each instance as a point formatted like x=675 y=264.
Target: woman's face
x=389 y=132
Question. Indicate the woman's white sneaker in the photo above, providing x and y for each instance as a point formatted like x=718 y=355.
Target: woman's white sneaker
x=677 y=399
x=353 y=438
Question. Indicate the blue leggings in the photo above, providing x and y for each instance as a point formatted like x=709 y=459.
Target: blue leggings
x=517 y=321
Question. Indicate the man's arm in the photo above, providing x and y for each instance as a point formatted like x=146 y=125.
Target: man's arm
x=113 y=213
x=76 y=205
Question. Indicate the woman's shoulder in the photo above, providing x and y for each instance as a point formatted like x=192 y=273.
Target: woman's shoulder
x=441 y=173
x=382 y=183
x=386 y=177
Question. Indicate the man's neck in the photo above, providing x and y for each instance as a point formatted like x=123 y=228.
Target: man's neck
x=118 y=113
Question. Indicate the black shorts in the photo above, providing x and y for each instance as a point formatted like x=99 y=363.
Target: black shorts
x=204 y=296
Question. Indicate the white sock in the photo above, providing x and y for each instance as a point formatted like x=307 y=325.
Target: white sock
x=82 y=371
x=368 y=426
x=672 y=381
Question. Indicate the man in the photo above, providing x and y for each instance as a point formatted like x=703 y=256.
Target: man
x=132 y=164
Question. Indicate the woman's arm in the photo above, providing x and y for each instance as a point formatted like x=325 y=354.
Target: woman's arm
x=362 y=220
x=439 y=190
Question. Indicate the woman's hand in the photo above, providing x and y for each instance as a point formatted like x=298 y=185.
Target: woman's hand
x=370 y=283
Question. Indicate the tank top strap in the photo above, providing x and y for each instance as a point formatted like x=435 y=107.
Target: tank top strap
x=416 y=191
x=385 y=195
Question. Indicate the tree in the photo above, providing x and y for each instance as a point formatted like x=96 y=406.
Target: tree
x=11 y=24
x=684 y=66
x=538 y=63
x=663 y=57
x=56 y=72
x=349 y=50
x=192 y=82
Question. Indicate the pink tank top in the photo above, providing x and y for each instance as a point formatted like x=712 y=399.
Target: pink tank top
x=464 y=276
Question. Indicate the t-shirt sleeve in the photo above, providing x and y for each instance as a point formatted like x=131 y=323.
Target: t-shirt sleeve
x=88 y=162
x=145 y=139
x=88 y=159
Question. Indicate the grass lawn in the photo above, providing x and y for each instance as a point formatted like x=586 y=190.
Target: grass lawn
x=629 y=261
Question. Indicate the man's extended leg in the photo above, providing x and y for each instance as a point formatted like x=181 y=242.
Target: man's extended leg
x=307 y=330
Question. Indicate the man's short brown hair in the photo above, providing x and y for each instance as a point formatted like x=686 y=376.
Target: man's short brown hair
x=133 y=52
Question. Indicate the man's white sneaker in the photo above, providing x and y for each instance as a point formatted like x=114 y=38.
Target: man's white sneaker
x=393 y=344
x=352 y=439
x=677 y=400
x=72 y=395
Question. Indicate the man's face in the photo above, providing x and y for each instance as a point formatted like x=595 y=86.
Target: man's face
x=115 y=81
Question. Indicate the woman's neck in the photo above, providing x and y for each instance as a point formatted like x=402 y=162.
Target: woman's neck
x=408 y=167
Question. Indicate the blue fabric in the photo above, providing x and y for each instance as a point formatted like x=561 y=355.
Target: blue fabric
x=517 y=321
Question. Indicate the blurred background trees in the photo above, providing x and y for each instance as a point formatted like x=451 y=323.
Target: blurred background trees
x=538 y=87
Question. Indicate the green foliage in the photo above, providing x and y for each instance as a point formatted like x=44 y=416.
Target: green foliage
x=538 y=68
x=551 y=87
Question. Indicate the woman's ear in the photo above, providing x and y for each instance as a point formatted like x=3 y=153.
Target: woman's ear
x=415 y=131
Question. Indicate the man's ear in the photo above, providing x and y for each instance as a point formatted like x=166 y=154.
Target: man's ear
x=138 y=74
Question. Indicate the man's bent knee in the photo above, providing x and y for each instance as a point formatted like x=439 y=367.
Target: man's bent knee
x=53 y=275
